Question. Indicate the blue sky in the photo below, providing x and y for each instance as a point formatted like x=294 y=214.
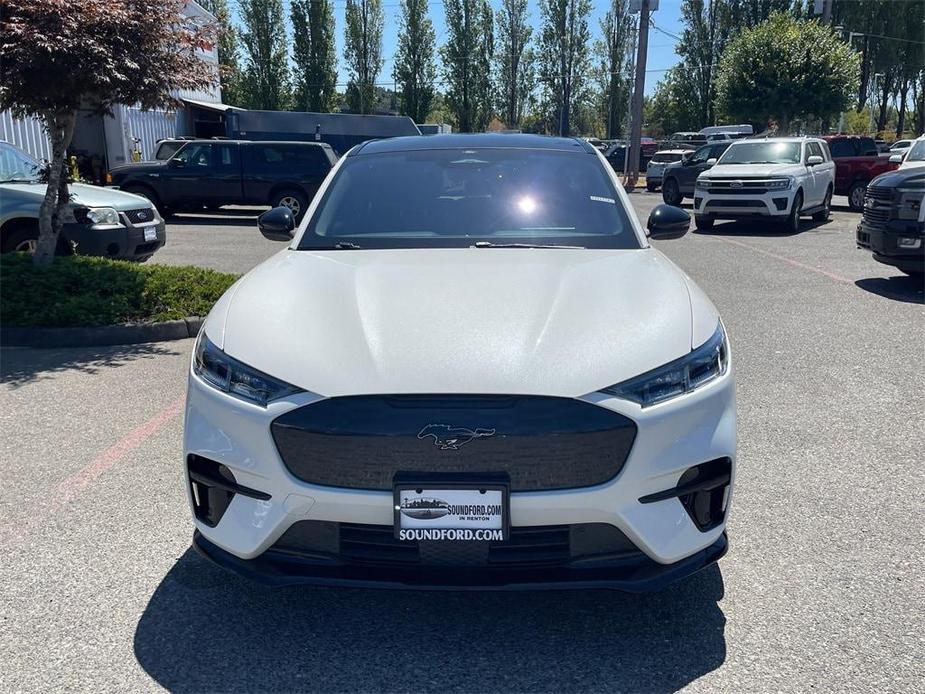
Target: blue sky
x=661 y=46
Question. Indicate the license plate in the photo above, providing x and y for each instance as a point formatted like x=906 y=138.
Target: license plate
x=150 y=233
x=455 y=513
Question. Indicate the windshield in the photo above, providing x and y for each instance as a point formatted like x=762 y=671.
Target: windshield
x=664 y=158
x=16 y=165
x=454 y=198
x=762 y=153
x=917 y=153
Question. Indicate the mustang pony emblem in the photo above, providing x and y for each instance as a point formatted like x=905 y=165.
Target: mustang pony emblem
x=448 y=438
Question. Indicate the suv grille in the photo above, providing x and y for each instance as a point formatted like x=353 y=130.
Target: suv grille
x=878 y=204
x=528 y=547
x=140 y=216
x=361 y=442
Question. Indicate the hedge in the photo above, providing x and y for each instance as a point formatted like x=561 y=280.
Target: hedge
x=83 y=291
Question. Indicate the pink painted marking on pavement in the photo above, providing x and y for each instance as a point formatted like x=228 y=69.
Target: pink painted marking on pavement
x=13 y=534
x=789 y=261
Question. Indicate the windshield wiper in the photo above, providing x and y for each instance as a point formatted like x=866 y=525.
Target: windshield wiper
x=339 y=246
x=490 y=244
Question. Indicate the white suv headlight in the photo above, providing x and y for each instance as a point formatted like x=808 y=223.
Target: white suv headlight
x=230 y=376
x=103 y=215
x=704 y=364
x=702 y=183
x=780 y=183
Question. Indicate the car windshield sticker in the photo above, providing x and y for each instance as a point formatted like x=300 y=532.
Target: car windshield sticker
x=598 y=198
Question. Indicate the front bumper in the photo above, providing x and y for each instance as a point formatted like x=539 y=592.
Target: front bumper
x=883 y=242
x=125 y=241
x=736 y=206
x=667 y=544
x=279 y=569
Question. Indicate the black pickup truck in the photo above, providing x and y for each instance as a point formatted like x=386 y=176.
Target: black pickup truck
x=212 y=173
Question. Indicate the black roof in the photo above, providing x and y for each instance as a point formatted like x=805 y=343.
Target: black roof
x=331 y=123
x=477 y=140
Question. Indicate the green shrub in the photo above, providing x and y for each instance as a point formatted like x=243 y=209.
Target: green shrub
x=82 y=290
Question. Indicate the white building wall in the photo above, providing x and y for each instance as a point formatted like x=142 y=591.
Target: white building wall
x=147 y=127
x=27 y=134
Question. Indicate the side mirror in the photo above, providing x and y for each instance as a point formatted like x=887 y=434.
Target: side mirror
x=277 y=224
x=814 y=160
x=176 y=163
x=667 y=222
x=896 y=159
x=711 y=161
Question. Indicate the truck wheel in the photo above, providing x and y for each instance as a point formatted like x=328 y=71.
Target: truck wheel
x=823 y=214
x=671 y=194
x=793 y=219
x=295 y=200
x=856 y=196
x=703 y=222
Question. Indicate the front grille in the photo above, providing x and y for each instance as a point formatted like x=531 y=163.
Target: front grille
x=735 y=203
x=876 y=215
x=140 y=216
x=541 y=443
x=527 y=547
x=879 y=193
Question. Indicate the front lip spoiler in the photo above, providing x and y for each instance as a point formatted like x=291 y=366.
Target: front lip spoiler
x=277 y=570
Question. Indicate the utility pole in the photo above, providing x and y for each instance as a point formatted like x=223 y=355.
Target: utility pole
x=638 y=90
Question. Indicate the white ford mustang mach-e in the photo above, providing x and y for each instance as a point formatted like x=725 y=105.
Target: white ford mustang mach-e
x=467 y=369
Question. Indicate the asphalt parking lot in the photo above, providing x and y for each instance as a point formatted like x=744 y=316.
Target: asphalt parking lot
x=822 y=587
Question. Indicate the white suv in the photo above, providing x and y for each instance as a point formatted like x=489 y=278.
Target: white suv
x=781 y=178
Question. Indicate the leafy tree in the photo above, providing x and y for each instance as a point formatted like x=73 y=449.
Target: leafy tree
x=673 y=107
x=266 y=72
x=785 y=69
x=414 y=70
x=565 y=61
x=229 y=52
x=314 y=55
x=466 y=62
x=58 y=55
x=514 y=60
x=615 y=59
x=363 y=51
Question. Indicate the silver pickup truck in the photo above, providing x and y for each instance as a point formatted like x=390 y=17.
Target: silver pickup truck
x=98 y=221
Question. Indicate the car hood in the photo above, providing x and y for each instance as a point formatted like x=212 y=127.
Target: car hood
x=95 y=196
x=139 y=167
x=753 y=170
x=538 y=321
x=83 y=195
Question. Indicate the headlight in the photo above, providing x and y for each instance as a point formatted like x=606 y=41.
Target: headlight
x=230 y=376
x=910 y=200
x=702 y=183
x=102 y=215
x=704 y=364
x=779 y=183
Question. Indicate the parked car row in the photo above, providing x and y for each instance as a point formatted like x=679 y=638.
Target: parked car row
x=97 y=221
x=783 y=179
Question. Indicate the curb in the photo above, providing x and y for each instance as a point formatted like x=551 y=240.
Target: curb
x=97 y=336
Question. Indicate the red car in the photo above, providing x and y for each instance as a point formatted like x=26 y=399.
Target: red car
x=857 y=163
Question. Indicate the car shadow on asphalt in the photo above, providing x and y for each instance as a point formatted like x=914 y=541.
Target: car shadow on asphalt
x=902 y=288
x=208 y=630
x=23 y=365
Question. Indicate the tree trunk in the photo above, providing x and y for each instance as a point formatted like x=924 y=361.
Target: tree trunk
x=884 y=105
x=60 y=128
x=901 y=116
